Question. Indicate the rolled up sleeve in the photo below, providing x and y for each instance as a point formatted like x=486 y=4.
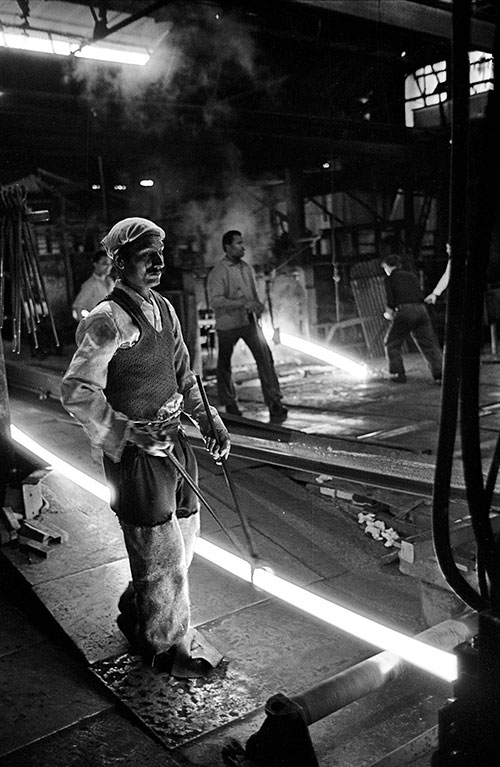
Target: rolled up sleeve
x=82 y=387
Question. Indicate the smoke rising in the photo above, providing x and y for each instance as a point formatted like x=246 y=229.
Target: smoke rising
x=204 y=68
x=204 y=61
x=206 y=221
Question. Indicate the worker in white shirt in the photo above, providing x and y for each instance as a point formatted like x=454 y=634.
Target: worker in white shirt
x=98 y=286
x=442 y=283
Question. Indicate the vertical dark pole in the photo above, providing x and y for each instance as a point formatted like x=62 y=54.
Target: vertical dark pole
x=6 y=451
x=68 y=266
x=335 y=265
x=103 y=191
x=484 y=200
x=410 y=239
x=459 y=92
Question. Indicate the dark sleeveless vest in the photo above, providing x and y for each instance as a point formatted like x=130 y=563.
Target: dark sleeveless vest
x=142 y=378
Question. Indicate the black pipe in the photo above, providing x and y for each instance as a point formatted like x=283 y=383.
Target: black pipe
x=484 y=207
x=455 y=308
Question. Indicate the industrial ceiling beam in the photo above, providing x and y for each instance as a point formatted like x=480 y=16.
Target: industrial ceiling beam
x=407 y=14
x=102 y=32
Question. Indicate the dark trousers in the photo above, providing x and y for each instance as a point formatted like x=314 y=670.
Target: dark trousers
x=412 y=320
x=147 y=490
x=158 y=515
x=253 y=336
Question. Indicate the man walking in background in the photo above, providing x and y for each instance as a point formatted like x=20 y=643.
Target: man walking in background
x=233 y=297
x=409 y=317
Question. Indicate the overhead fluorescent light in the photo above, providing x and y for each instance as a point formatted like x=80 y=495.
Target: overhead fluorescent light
x=113 y=55
x=46 y=42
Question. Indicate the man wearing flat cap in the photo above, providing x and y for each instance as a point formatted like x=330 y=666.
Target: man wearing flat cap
x=127 y=384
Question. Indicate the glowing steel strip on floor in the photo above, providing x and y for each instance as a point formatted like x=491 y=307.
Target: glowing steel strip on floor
x=68 y=471
x=356 y=369
x=437 y=662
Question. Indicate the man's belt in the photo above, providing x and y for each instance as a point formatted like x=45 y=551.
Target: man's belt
x=162 y=427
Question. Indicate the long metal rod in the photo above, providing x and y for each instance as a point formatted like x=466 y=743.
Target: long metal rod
x=347 y=686
x=192 y=484
x=284 y=736
x=383 y=477
x=245 y=525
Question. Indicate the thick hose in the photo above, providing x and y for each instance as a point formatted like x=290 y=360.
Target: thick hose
x=484 y=206
x=454 y=313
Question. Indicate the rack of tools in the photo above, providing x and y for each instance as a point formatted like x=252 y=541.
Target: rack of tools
x=20 y=267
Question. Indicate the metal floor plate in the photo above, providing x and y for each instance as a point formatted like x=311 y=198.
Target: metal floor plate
x=177 y=711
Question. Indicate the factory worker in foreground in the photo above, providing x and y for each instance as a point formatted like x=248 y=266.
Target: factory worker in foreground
x=127 y=384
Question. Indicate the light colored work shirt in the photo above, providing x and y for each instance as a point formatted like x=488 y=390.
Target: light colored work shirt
x=231 y=285
x=91 y=292
x=443 y=280
x=106 y=329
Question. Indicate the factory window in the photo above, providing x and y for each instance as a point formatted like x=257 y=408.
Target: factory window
x=427 y=88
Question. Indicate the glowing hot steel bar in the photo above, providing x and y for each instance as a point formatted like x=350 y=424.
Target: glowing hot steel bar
x=64 y=468
x=437 y=662
x=357 y=369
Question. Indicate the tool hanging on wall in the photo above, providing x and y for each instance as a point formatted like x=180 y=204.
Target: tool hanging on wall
x=20 y=263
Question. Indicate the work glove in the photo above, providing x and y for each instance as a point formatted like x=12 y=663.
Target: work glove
x=218 y=444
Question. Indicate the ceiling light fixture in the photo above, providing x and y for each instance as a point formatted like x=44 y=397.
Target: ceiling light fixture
x=39 y=41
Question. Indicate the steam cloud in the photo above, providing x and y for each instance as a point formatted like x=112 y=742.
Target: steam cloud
x=199 y=71
x=201 y=63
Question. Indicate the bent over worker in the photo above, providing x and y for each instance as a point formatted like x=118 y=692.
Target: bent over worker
x=409 y=317
x=233 y=297
x=127 y=384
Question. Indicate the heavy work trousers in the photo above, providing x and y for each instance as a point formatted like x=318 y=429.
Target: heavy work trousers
x=254 y=338
x=412 y=320
x=159 y=517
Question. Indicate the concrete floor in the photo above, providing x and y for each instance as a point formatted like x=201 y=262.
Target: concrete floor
x=74 y=696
